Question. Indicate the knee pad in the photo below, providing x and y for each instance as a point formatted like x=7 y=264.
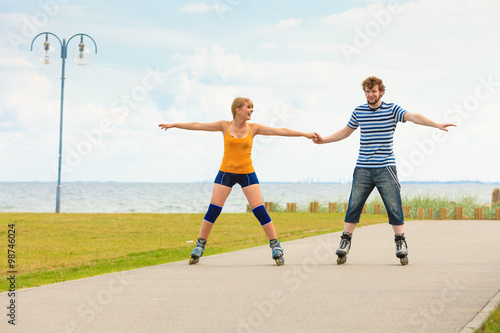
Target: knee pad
x=212 y=213
x=261 y=215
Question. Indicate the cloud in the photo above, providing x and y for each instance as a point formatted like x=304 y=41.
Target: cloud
x=270 y=45
x=315 y=47
x=286 y=24
x=201 y=7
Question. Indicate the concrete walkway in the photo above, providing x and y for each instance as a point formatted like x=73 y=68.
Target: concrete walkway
x=454 y=272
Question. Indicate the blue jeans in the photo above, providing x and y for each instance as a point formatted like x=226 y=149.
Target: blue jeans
x=386 y=181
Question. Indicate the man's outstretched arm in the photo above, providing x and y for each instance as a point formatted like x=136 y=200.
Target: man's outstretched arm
x=419 y=119
x=337 y=136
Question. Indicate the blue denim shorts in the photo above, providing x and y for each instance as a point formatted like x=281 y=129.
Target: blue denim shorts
x=386 y=181
x=230 y=179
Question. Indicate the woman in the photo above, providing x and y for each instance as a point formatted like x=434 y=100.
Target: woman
x=237 y=167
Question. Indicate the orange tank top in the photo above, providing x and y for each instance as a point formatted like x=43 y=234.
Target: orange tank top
x=237 y=153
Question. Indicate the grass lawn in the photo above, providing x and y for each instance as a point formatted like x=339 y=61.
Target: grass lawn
x=492 y=325
x=60 y=247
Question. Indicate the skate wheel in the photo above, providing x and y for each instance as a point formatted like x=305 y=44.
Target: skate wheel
x=193 y=261
x=280 y=262
x=404 y=261
x=341 y=260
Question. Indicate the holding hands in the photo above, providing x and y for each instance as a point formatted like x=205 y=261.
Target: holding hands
x=318 y=138
x=313 y=136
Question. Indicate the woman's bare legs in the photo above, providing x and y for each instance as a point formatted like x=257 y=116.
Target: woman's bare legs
x=254 y=198
x=219 y=196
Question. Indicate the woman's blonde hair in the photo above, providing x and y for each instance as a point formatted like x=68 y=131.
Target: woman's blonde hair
x=238 y=103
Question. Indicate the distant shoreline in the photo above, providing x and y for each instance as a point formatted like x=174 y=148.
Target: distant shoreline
x=194 y=197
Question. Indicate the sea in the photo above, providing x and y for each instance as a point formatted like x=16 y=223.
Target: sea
x=113 y=197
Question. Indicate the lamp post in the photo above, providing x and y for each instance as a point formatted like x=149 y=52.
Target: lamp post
x=81 y=56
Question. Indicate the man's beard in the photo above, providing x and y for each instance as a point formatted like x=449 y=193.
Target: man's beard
x=375 y=102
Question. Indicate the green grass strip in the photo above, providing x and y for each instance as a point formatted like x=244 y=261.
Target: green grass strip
x=492 y=325
x=61 y=247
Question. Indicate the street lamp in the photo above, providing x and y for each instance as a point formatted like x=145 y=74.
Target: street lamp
x=47 y=54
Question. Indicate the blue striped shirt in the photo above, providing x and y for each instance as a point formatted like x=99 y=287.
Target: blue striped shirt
x=377 y=132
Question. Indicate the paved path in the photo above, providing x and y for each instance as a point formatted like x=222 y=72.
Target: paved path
x=454 y=272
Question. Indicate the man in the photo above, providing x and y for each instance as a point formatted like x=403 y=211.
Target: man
x=376 y=165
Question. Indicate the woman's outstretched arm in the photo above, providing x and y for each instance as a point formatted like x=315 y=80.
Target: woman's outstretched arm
x=211 y=127
x=259 y=129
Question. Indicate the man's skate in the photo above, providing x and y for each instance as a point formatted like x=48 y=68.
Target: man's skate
x=343 y=250
x=277 y=252
x=198 y=251
x=401 y=248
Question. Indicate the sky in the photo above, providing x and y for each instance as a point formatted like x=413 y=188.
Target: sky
x=301 y=63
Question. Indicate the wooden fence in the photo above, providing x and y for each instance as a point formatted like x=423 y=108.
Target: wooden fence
x=458 y=212
x=333 y=207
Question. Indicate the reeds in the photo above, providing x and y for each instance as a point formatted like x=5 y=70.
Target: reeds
x=429 y=202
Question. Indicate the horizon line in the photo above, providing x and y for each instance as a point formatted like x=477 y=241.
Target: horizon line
x=262 y=182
